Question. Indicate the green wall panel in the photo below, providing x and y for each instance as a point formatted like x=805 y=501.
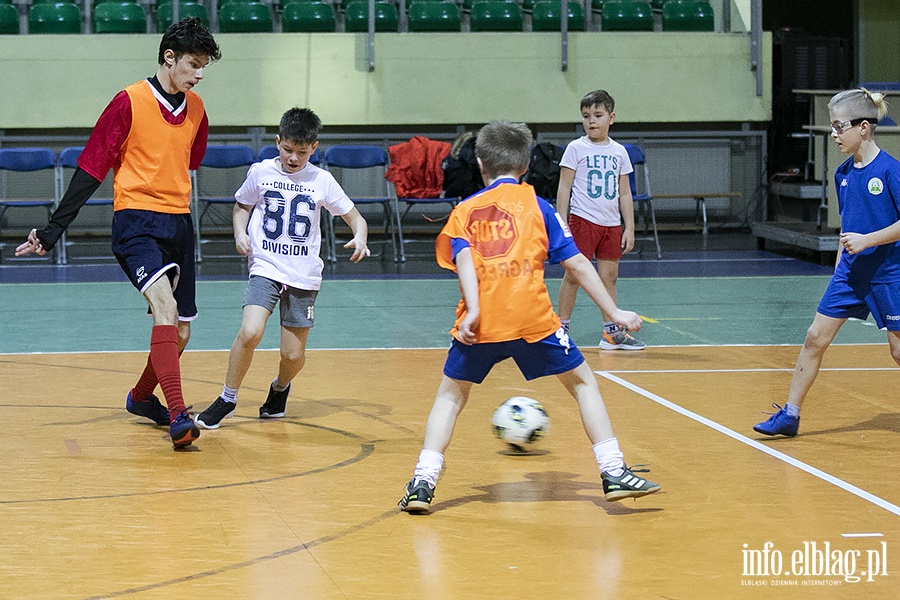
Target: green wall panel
x=419 y=78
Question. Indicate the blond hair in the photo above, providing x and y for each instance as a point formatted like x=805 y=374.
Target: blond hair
x=504 y=148
x=859 y=104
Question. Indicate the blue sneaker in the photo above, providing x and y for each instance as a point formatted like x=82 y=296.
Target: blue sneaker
x=150 y=408
x=780 y=423
x=183 y=430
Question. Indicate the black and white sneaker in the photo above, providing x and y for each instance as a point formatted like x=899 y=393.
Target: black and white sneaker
x=212 y=416
x=417 y=498
x=627 y=485
x=273 y=408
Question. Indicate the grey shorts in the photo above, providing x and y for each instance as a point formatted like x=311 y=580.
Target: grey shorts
x=296 y=305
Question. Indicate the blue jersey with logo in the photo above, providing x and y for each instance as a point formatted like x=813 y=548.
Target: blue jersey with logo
x=869 y=200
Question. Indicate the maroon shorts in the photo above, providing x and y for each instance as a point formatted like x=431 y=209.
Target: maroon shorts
x=596 y=241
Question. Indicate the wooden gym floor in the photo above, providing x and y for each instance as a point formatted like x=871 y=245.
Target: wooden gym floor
x=95 y=504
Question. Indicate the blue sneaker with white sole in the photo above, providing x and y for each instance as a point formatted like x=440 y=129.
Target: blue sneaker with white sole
x=780 y=423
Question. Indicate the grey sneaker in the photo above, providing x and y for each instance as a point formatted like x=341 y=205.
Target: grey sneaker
x=627 y=485
x=417 y=498
x=620 y=341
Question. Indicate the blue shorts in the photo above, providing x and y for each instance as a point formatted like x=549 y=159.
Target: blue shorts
x=552 y=355
x=882 y=300
x=149 y=245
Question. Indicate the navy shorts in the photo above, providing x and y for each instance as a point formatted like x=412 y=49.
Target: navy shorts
x=842 y=301
x=552 y=355
x=149 y=245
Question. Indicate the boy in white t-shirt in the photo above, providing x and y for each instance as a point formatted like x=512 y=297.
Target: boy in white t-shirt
x=595 y=194
x=276 y=223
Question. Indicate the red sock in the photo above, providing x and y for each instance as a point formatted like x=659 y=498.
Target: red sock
x=164 y=359
x=146 y=384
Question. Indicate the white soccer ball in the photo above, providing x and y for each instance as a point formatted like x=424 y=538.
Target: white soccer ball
x=520 y=422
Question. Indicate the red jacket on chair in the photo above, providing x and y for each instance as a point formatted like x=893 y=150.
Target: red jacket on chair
x=415 y=167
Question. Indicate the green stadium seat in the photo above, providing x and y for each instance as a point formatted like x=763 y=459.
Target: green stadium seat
x=496 y=15
x=688 y=15
x=245 y=16
x=356 y=16
x=625 y=15
x=284 y=3
x=185 y=9
x=120 y=17
x=308 y=16
x=433 y=16
x=9 y=19
x=545 y=16
x=59 y=17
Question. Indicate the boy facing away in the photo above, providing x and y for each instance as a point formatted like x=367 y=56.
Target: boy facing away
x=276 y=223
x=595 y=194
x=497 y=242
x=867 y=275
x=152 y=134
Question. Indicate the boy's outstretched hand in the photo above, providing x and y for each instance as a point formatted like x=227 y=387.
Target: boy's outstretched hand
x=32 y=245
x=627 y=319
x=360 y=250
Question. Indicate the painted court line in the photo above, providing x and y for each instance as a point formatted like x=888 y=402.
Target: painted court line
x=848 y=487
x=759 y=370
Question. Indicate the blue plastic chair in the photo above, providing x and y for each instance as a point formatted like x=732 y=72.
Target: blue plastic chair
x=643 y=200
x=230 y=156
x=340 y=159
x=29 y=160
x=271 y=151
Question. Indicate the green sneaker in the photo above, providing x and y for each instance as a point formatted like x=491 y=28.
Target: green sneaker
x=627 y=485
x=417 y=498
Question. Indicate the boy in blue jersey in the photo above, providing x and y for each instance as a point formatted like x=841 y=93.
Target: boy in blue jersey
x=867 y=275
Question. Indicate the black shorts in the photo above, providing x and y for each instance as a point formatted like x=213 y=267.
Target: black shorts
x=149 y=245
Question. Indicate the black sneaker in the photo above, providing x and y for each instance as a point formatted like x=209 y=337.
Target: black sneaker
x=627 y=485
x=275 y=403
x=183 y=431
x=417 y=498
x=212 y=416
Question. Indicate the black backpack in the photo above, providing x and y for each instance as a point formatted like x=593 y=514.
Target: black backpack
x=543 y=172
x=461 y=175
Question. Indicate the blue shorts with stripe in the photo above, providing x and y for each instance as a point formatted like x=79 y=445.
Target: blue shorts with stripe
x=843 y=300
x=149 y=245
x=552 y=355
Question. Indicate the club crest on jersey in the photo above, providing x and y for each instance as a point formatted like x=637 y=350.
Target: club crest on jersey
x=492 y=231
x=876 y=186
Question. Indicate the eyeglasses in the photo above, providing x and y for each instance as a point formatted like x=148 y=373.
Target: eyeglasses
x=841 y=127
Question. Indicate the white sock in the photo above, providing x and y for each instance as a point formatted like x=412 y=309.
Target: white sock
x=611 y=328
x=429 y=467
x=229 y=394
x=609 y=457
x=279 y=388
x=792 y=410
